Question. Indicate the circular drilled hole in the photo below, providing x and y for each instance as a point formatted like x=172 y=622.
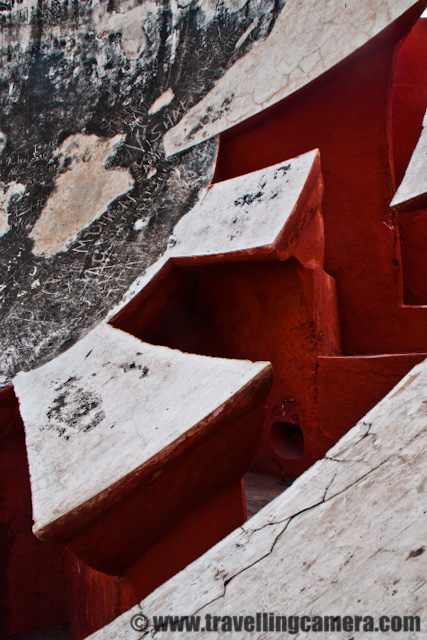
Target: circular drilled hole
x=287 y=439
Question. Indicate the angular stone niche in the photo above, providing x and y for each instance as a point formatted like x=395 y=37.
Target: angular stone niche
x=262 y=310
x=245 y=279
x=127 y=440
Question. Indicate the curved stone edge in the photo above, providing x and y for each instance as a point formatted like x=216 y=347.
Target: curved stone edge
x=284 y=63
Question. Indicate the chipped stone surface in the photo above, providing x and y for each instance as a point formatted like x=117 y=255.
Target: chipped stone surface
x=7 y=193
x=162 y=101
x=94 y=69
x=129 y=24
x=308 y=39
x=82 y=192
x=3 y=141
x=109 y=405
x=412 y=192
x=348 y=537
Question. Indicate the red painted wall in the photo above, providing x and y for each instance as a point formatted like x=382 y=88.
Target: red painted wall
x=32 y=576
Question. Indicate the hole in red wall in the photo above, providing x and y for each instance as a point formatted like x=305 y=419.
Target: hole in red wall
x=287 y=439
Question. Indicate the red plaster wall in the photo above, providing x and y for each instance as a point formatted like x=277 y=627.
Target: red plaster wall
x=94 y=599
x=32 y=577
x=365 y=117
x=190 y=539
x=409 y=100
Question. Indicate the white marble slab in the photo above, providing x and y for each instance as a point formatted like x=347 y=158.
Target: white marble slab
x=243 y=214
x=348 y=537
x=109 y=405
x=412 y=192
x=308 y=39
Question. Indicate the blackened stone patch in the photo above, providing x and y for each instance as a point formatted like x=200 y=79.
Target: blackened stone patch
x=248 y=198
x=74 y=410
x=133 y=366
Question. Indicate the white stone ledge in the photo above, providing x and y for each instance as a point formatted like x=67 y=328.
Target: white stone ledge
x=110 y=405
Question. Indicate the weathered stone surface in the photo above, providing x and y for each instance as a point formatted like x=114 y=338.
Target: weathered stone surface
x=129 y=23
x=347 y=537
x=308 y=39
x=162 y=101
x=80 y=70
x=82 y=192
x=110 y=405
x=7 y=193
x=2 y=142
x=412 y=192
